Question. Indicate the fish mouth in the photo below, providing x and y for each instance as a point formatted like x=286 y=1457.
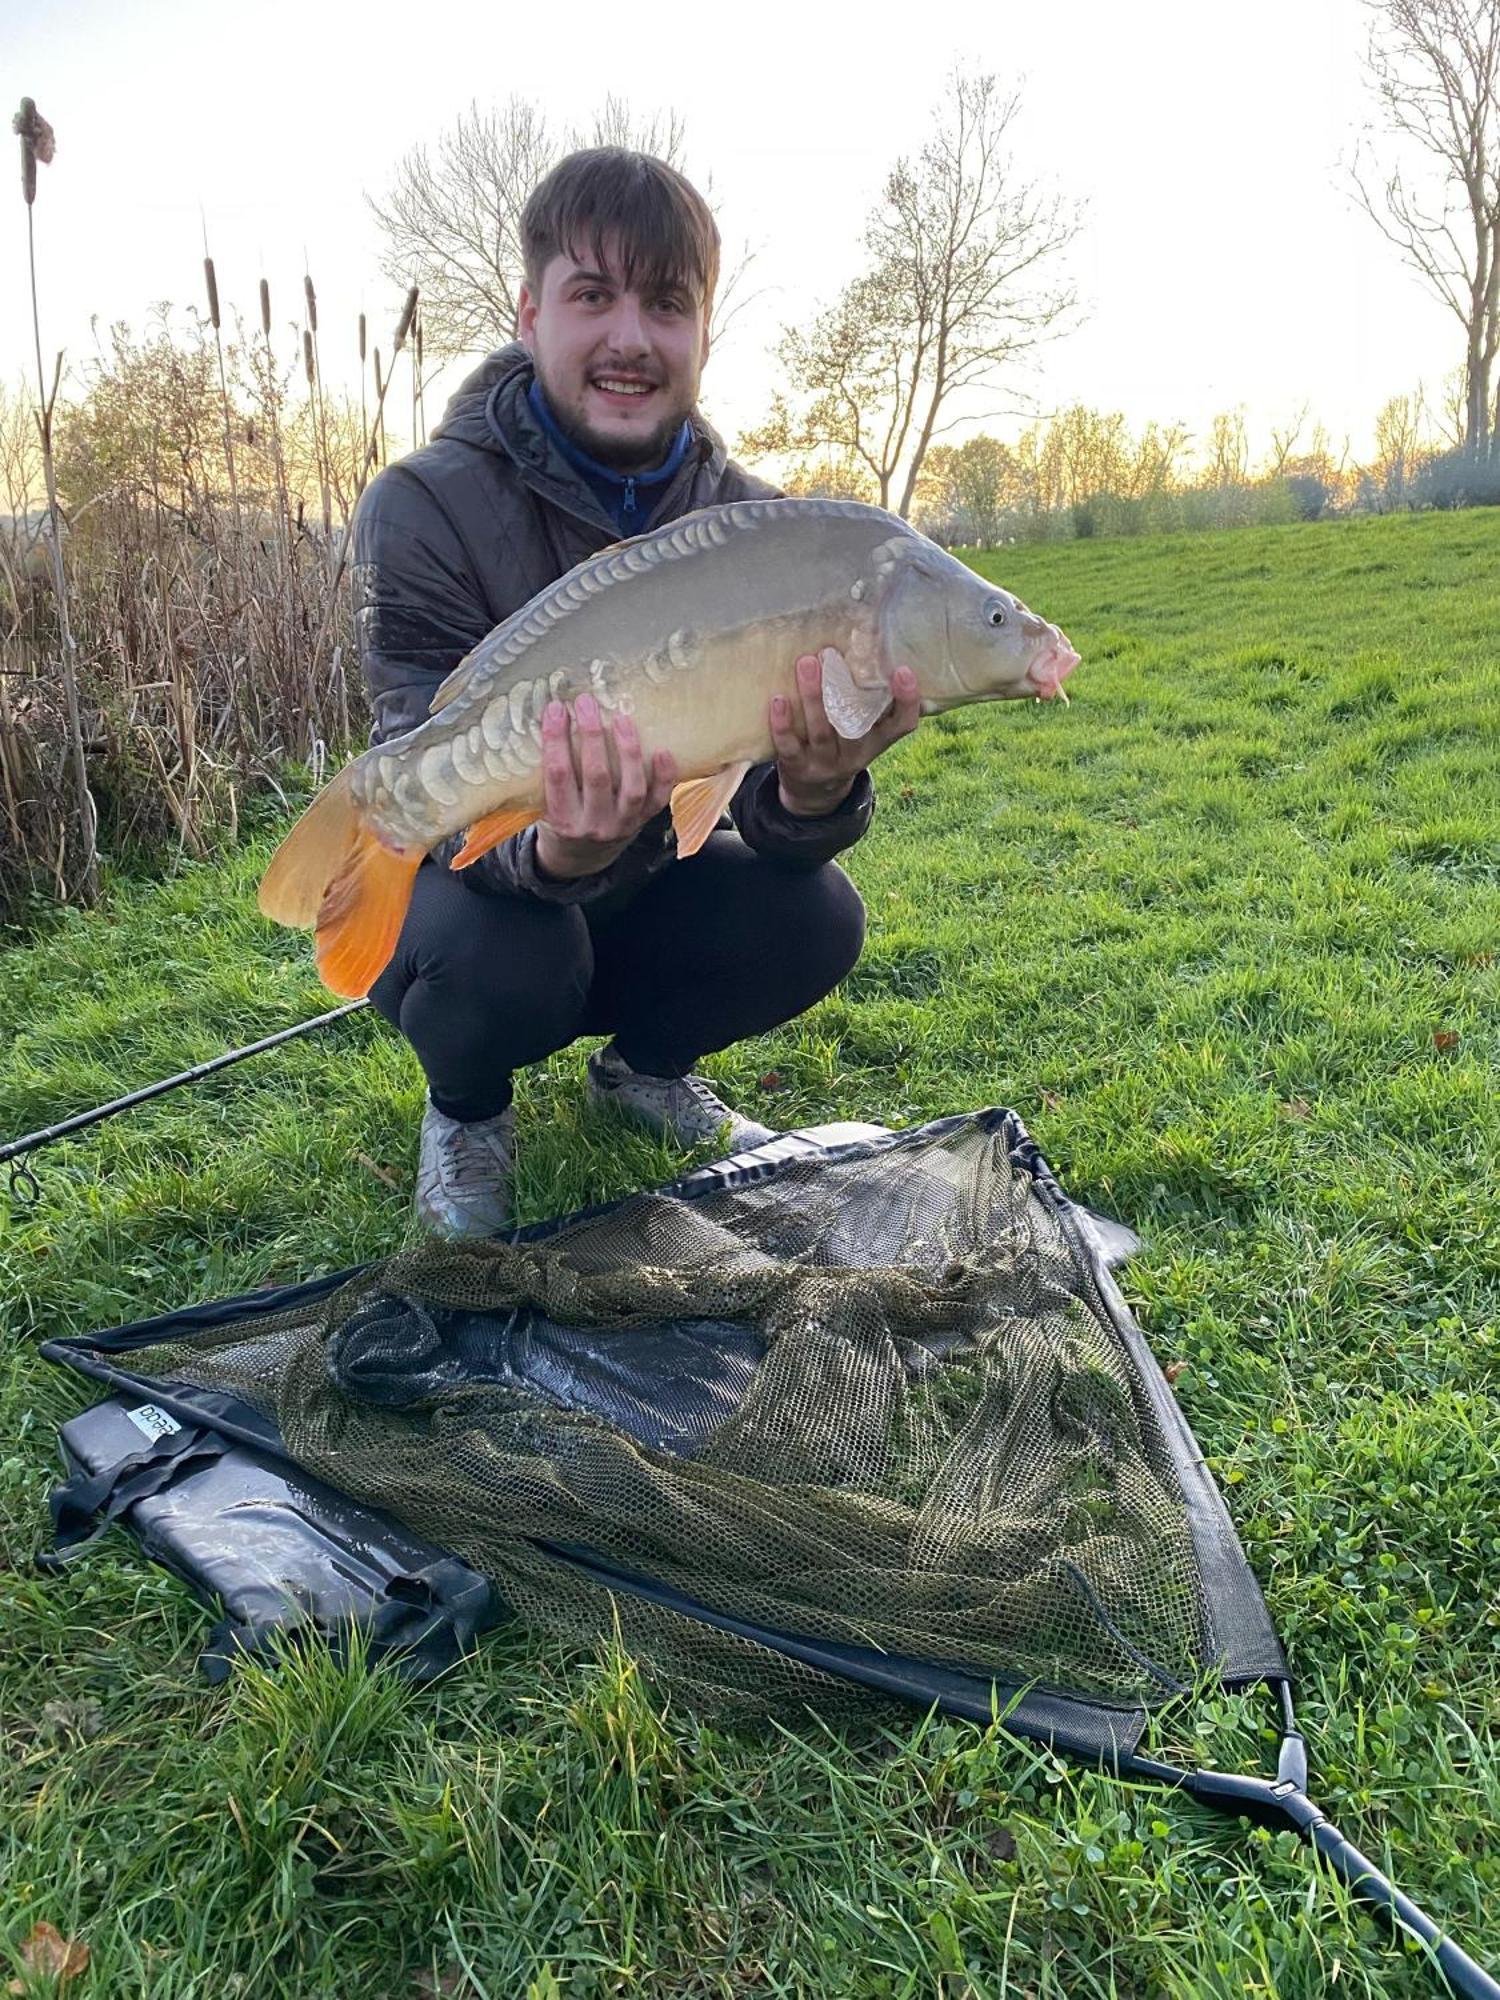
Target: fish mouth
x=1049 y=670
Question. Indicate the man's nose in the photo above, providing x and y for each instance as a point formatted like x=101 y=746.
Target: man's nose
x=627 y=326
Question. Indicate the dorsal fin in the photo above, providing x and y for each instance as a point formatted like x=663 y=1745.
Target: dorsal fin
x=455 y=682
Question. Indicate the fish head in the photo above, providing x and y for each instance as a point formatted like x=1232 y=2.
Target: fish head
x=967 y=639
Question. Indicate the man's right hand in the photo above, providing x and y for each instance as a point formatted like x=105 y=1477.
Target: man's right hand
x=594 y=808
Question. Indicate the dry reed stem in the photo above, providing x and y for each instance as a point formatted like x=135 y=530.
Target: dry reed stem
x=37 y=144
x=213 y=314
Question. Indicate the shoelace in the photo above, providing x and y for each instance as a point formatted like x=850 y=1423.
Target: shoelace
x=698 y=1097
x=469 y=1159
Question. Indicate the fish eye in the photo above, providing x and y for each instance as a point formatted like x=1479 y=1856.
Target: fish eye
x=997 y=614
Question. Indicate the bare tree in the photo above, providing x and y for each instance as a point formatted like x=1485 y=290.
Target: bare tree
x=1284 y=441
x=452 y=218
x=1400 y=450
x=1434 y=66
x=1227 y=455
x=959 y=285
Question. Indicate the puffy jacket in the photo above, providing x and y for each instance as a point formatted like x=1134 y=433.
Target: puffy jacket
x=451 y=540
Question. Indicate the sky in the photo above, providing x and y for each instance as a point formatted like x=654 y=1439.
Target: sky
x=1221 y=261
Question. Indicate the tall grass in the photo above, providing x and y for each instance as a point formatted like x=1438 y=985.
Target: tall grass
x=195 y=587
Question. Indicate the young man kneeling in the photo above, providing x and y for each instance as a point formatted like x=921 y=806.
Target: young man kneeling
x=581 y=432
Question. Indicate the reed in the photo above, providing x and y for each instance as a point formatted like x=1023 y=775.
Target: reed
x=316 y=405
x=364 y=415
x=194 y=590
x=38 y=145
x=212 y=283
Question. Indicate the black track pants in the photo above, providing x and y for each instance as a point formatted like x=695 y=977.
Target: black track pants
x=711 y=949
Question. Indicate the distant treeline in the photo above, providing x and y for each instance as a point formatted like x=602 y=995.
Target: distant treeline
x=1084 y=473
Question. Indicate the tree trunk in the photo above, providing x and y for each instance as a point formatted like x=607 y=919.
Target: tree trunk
x=939 y=387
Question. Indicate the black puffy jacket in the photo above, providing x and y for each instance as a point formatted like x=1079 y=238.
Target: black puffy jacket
x=451 y=540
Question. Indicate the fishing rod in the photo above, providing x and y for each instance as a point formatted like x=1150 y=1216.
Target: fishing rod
x=26 y=1189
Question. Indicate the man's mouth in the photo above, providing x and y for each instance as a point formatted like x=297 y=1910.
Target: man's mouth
x=622 y=388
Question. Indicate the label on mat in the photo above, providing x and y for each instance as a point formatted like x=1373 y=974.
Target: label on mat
x=154 y=1423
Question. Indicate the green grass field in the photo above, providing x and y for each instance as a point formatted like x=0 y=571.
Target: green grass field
x=1223 y=932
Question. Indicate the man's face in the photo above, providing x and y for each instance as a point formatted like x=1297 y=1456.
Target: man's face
x=619 y=368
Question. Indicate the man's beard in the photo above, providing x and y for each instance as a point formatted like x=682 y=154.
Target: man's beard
x=611 y=450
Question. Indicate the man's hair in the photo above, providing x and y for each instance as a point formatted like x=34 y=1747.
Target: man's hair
x=667 y=238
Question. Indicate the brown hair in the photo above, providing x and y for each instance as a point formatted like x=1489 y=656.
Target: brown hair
x=666 y=235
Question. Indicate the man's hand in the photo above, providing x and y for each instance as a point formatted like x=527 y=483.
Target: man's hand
x=594 y=808
x=815 y=766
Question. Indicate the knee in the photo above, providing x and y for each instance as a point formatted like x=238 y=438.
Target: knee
x=823 y=924
x=523 y=957
x=481 y=965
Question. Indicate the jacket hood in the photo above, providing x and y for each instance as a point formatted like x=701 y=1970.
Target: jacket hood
x=490 y=408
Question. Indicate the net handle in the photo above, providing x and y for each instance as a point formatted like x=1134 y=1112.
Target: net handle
x=1283 y=1801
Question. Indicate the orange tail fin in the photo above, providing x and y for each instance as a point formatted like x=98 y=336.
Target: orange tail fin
x=333 y=872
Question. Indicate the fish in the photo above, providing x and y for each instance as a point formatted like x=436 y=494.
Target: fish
x=689 y=629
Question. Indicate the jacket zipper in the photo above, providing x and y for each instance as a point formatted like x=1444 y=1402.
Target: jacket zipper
x=687 y=472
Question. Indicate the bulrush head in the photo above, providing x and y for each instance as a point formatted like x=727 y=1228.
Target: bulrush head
x=38 y=144
x=403 y=325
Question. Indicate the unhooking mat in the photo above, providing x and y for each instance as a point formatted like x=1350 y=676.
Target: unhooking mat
x=879 y=1400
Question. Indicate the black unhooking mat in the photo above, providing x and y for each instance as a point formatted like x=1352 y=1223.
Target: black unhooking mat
x=825 y=1417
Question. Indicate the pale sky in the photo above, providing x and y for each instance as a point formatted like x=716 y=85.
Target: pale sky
x=1221 y=260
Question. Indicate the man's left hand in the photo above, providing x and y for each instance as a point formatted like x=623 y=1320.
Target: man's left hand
x=815 y=766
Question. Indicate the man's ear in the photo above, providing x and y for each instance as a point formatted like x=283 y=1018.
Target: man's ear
x=526 y=307
x=703 y=357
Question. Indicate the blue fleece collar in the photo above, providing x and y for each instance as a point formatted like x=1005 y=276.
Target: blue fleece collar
x=616 y=491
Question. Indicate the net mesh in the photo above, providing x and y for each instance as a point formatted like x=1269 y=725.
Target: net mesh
x=873 y=1400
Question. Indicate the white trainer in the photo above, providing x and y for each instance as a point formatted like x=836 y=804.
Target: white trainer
x=463 y=1173
x=678 y=1107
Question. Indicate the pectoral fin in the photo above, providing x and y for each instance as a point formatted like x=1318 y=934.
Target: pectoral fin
x=853 y=709
x=490 y=831
x=696 y=806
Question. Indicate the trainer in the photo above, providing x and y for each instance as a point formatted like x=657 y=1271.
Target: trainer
x=582 y=431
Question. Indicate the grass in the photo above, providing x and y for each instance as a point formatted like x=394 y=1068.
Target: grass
x=1223 y=932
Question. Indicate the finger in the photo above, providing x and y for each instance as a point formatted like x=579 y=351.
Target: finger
x=786 y=737
x=663 y=783
x=559 y=779
x=905 y=711
x=633 y=780
x=899 y=720
x=596 y=779
x=821 y=734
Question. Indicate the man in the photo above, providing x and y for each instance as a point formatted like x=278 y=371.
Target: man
x=581 y=432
